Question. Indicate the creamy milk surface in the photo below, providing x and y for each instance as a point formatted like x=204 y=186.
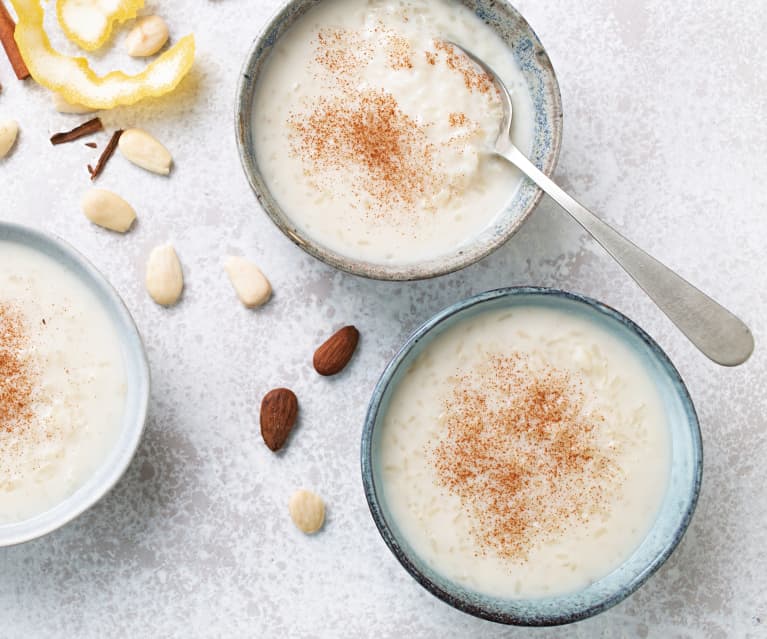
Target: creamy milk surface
x=62 y=383
x=525 y=453
x=372 y=133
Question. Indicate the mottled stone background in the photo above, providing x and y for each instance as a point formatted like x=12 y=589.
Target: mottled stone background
x=665 y=135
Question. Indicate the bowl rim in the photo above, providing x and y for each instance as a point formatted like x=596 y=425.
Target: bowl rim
x=435 y=267
x=391 y=540
x=37 y=240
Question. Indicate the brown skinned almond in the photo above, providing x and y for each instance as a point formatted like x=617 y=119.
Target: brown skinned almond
x=279 y=410
x=333 y=356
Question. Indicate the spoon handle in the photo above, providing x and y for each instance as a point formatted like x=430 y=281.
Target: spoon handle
x=712 y=328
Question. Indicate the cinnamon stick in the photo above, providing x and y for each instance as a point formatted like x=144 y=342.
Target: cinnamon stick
x=7 y=27
x=86 y=128
x=108 y=151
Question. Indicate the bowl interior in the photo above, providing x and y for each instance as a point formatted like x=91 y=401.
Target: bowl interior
x=137 y=397
x=544 y=90
x=676 y=509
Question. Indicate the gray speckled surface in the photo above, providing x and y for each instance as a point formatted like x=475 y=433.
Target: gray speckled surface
x=664 y=134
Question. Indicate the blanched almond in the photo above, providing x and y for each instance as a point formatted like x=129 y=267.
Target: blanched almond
x=307 y=510
x=62 y=106
x=164 y=278
x=147 y=37
x=145 y=151
x=108 y=209
x=9 y=130
x=248 y=281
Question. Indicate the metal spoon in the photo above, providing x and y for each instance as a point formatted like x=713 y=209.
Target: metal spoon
x=712 y=328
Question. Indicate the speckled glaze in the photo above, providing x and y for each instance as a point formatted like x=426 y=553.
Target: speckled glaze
x=677 y=507
x=544 y=89
x=136 y=401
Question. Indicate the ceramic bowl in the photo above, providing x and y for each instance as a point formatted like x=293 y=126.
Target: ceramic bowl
x=675 y=512
x=544 y=89
x=137 y=399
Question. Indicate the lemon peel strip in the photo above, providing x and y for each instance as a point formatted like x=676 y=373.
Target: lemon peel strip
x=77 y=83
x=89 y=23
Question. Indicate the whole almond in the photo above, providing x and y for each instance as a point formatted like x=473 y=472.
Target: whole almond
x=9 y=129
x=248 y=281
x=108 y=209
x=307 y=510
x=164 y=277
x=147 y=37
x=333 y=356
x=279 y=410
x=143 y=150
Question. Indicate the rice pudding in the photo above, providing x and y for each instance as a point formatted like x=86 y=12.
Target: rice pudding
x=62 y=383
x=371 y=132
x=525 y=453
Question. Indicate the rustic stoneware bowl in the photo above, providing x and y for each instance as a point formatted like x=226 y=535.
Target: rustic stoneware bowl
x=136 y=401
x=542 y=85
x=675 y=512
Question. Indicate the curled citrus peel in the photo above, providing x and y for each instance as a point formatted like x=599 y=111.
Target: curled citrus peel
x=88 y=23
x=77 y=83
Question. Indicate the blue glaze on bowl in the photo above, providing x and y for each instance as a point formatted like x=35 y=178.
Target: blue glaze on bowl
x=544 y=90
x=677 y=507
x=137 y=376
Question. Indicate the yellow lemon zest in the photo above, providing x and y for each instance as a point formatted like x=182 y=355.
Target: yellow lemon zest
x=89 y=23
x=77 y=83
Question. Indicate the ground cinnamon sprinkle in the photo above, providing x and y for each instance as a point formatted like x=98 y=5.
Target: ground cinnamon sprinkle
x=400 y=52
x=17 y=374
x=522 y=453
x=457 y=119
x=368 y=130
x=362 y=132
x=474 y=78
x=342 y=53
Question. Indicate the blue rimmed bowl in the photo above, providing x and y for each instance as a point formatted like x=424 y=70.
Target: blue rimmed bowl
x=137 y=398
x=675 y=512
x=544 y=90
